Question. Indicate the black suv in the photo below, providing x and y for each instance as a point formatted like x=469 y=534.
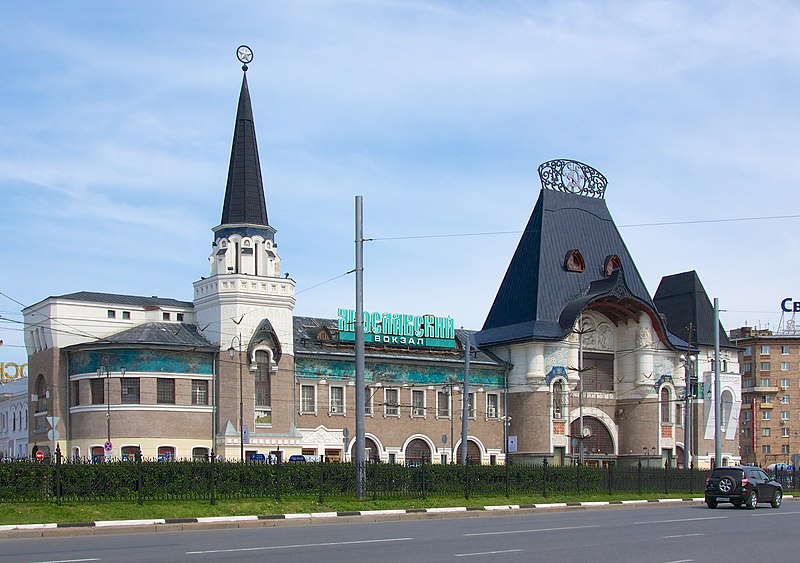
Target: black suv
x=742 y=486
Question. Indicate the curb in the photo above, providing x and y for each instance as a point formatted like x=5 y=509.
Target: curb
x=235 y=520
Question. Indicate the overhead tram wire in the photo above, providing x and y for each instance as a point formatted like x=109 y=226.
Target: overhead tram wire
x=632 y=225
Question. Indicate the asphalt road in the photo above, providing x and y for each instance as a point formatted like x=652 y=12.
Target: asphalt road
x=660 y=533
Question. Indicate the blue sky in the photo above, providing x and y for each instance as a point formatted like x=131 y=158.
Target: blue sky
x=116 y=121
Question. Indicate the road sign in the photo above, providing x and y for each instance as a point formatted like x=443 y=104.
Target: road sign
x=53 y=435
x=345 y=433
x=53 y=420
x=40 y=455
x=108 y=446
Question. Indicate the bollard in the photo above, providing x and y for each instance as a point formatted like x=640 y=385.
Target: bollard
x=58 y=474
x=139 y=475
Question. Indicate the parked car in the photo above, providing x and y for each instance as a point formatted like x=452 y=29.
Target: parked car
x=296 y=457
x=742 y=486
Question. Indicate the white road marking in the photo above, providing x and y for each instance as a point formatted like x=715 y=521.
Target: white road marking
x=268 y=547
x=70 y=560
x=680 y=536
x=530 y=531
x=681 y=520
x=485 y=553
x=681 y=561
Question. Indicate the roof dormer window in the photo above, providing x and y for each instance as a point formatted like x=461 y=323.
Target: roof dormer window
x=574 y=262
x=612 y=263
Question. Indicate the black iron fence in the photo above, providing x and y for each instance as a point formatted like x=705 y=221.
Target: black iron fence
x=140 y=479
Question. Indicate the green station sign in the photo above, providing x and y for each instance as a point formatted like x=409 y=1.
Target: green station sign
x=396 y=329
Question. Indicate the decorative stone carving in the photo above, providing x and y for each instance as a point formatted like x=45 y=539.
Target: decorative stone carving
x=644 y=338
x=605 y=337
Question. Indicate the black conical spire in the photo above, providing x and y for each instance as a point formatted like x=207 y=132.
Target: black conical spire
x=244 y=193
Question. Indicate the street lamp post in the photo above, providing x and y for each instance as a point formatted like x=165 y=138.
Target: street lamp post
x=104 y=370
x=231 y=353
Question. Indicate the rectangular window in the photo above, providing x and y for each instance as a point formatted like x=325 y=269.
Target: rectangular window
x=785 y=350
x=765 y=449
x=765 y=350
x=112 y=314
x=785 y=447
x=765 y=432
x=748 y=351
x=417 y=402
x=748 y=367
x=679 y=414
x=179 y=316
x=165 y=391
x=784 y=383
x=336 y=394
x=74 y=393
x=368 y=401
x=97 y=387
x=747 y=383
x=784 y=415
x=766 y=415
x=764 y=382
x=764 y=366
x=784 y=432
x=766 y=399
x=746 y=416
x=199 y=392
x=126 y=315
x=308 y=399
x=598 y=372
x=785 y=366
x=391 y=402
x=165 y=316
x=442 y=404
x=472 y=410
x=129 y=390
x=784 y=399
x=492 y=405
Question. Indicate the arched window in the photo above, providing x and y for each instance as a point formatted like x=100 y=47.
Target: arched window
x=41 y=394
x=558 y=399
x=263 y=388
x=665 y=404
x=726 y=406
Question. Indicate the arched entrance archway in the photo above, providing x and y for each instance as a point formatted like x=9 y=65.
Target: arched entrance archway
x=598 y=446
x=418 y=450
x=473 y=452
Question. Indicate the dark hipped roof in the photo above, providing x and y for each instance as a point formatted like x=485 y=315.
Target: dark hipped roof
x=683 y=301
x=182 y=336
x=244 y=193
x=539 y=298
x=307 y=341
x=117 y=299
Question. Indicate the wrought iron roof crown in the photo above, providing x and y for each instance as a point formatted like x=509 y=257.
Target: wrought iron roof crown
x=572 y=177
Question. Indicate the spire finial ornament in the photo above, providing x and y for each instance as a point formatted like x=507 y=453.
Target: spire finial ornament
x=245 y=55
x=572 y=177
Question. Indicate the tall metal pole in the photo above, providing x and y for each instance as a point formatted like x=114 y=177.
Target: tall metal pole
x=241 y=402
x=687 y=415
x=360 y=445
x=580 y=389
x=108 y=406
x=717 y=421
x=465 y=403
